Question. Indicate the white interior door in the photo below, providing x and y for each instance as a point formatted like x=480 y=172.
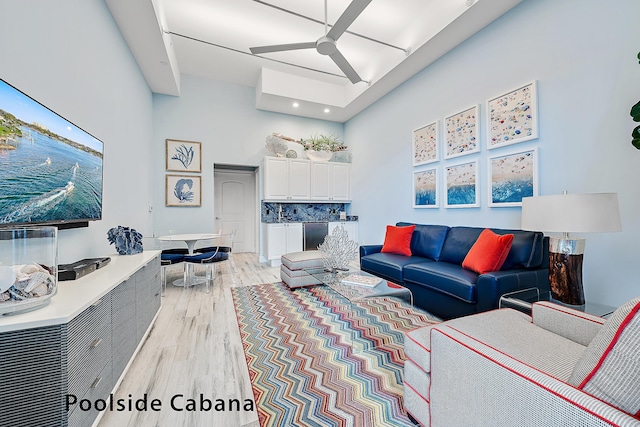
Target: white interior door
x=235 y=206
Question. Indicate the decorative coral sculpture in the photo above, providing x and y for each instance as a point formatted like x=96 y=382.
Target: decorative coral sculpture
x=337 y=250
x=126 y=240
x=277 y=145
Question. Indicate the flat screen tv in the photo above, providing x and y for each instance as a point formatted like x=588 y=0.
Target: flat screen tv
x=50 y=169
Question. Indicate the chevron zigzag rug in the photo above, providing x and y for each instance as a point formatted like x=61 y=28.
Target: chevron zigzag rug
x=317 y=359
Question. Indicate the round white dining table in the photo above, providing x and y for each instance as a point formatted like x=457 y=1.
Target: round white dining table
x=190 y=239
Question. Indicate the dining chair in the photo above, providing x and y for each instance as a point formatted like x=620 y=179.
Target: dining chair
x=212 y=255
x=224 y=244
x=169 y=256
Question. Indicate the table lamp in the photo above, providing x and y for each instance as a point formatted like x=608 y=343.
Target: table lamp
x=570 y=213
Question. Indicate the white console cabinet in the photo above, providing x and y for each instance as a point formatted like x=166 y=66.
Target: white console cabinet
x=280 y=239
x=79 y=344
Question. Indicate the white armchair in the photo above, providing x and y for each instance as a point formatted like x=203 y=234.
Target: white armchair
x=558 y=367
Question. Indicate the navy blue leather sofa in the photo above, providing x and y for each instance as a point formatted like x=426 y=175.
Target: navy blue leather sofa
x=435 y=276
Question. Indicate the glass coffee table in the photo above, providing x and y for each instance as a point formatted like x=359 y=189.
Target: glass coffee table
x=343 y=283
x=356 y=292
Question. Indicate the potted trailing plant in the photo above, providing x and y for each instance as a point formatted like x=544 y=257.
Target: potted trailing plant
x=635 y=113
x=320 y=147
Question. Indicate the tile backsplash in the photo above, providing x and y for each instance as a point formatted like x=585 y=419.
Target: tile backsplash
x=302 y=212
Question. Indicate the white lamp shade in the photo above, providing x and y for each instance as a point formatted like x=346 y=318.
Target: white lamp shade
x=575 y=213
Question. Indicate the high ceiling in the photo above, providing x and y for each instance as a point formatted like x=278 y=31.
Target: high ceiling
x=388 y=43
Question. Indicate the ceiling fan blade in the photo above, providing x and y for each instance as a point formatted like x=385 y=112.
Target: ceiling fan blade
x=346 y=19
x=282 y=47
x=346 y=68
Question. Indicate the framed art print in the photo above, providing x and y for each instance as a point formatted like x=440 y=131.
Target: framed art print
x=512 y=177
x=461 y=133
x=183 y=156
x=461 y=184
x=183 y=190
x=425 y=188
x=512 y=117
x=425 y=144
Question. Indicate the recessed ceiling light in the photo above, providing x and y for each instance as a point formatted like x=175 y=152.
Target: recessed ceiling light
x=296 y=105
x=326 y=110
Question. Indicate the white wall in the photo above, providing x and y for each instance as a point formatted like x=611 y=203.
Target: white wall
x=224 y=119
x=70 y=56
x=583 y=55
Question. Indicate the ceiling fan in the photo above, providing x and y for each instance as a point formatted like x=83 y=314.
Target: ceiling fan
x=326 y=45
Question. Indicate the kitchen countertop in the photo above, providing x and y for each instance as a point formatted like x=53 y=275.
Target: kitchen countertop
x=350 y=218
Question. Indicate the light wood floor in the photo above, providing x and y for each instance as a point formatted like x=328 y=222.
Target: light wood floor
x=194 y=348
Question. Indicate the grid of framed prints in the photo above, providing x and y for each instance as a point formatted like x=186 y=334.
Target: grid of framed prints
x=184 y=157
x=511 y=118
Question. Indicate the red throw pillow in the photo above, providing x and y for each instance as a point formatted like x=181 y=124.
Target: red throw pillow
x=488 y=253
x=398 y=240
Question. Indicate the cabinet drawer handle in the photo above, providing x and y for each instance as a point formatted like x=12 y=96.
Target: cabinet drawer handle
x=97 y=303
x=96 y=382
x=96 y=343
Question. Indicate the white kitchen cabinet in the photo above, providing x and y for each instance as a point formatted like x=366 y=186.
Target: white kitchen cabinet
x=320 y=184
x=330 y=181
x=350 y=226
x=340 y=179
x=286 y=179
x=281 y=238
x=299 y=179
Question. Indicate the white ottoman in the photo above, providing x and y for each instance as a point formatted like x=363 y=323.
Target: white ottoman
x=292 y=268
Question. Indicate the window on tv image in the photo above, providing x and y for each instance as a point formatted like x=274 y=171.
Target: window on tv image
x=50 y=169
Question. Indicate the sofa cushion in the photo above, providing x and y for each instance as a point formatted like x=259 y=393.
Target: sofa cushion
x=444 y=277
x=512 y=333
x=488 y=253
x=526 y=249
x=398 y=240
x=427 y=240
x=458 y=242
x=610 y=367
x=506 y=330
x=389 y=266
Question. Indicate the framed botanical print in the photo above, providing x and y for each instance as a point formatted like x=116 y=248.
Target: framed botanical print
x=461 y=133
x=183 y=190
x=512 y=177
x=425 y=144
x=461 y=185
x=425 y=188
x=183 y=156
x=512 y=117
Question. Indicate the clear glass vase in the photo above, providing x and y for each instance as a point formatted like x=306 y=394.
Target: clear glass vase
x=28 y=268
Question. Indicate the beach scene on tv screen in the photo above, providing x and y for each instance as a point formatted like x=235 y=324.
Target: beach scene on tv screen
x=50 y=170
